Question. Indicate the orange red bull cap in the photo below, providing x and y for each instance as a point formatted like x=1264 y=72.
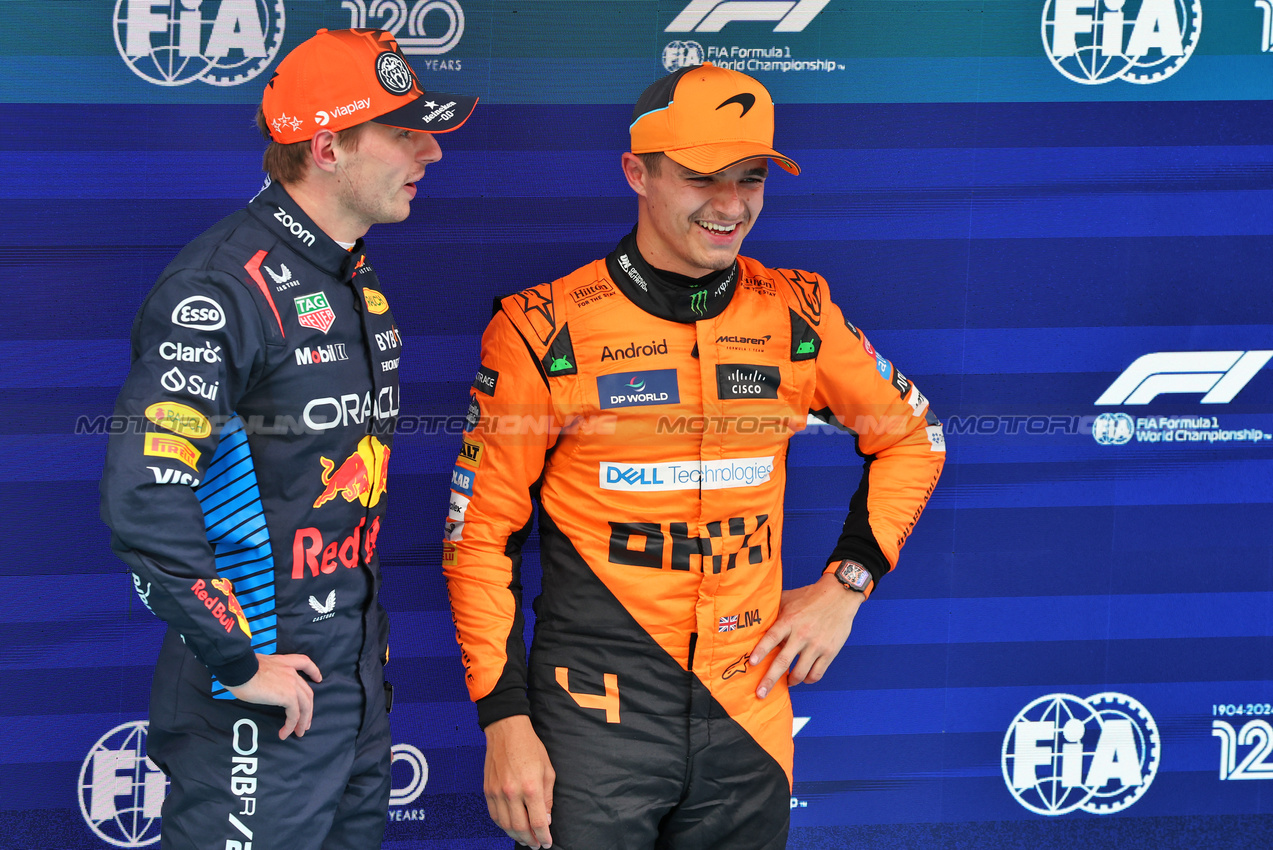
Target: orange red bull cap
x=340 y=78
x=707 y=118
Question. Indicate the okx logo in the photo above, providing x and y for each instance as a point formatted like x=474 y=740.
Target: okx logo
x=219 y=42
x=713 y=15
x=1140 y=41
x=1220 y=375
x=1063 y=753
x=121 y=791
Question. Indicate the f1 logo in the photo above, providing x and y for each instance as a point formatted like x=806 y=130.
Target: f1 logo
x=1219 y=374
x=712 y=15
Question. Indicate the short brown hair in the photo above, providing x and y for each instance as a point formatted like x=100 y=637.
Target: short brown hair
x=653 y=162
x=286 y=164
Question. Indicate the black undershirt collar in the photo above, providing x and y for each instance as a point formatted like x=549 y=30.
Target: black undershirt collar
x=665 y=294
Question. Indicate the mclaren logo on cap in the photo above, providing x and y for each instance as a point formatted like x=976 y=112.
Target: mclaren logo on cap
x=744 y=99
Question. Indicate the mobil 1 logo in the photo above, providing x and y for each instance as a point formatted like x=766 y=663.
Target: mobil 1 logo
x=743 y=380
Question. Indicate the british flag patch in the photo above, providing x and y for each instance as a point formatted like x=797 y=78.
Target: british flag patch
x=728 y=624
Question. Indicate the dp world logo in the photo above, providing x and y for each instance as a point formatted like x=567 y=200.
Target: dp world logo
x=1140 y=41
x=121 y=790
x=1064 y=753
x=218 y=42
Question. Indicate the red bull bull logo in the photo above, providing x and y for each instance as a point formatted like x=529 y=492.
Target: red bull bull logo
x=227 y=611
x=361 y=477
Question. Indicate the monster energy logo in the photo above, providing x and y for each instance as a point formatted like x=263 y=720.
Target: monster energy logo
x=698 y=302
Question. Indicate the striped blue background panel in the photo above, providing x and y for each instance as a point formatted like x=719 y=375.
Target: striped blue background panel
x=1013 y=240
x=240 y=539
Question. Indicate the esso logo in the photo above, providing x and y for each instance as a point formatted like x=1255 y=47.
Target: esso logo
x=199 y=313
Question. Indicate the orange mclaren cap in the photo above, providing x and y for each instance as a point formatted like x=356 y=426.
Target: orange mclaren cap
x=340 y=78
x=706 y=118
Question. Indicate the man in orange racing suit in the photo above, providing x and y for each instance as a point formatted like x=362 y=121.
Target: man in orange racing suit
x=646 y=400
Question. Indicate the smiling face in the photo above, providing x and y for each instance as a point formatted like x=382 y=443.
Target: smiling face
x=691 y=223
x=376 y=178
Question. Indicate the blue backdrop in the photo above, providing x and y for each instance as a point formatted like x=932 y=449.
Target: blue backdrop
x=1020 y=201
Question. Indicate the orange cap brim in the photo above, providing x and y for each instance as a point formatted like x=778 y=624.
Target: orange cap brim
x=709 y=159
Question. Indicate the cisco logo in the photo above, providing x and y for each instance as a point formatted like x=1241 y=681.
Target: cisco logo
x=1063 y=753
x=121 y=791
x=1139 y=41
x=172 y=43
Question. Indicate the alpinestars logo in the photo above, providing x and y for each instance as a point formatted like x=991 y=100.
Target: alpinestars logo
x=713 y=15
x=1063 y=753
x=1140 y=41
x=1220 y=375
x=171 y=43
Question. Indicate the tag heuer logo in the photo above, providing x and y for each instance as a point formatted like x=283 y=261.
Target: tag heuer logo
x=314 y=311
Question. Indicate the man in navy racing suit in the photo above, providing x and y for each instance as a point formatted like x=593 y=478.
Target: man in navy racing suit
x=248 y=491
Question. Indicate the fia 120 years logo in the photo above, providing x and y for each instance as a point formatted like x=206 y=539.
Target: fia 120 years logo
x=1063 y=753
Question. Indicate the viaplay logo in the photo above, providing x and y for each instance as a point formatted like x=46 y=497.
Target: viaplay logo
x=218 y=42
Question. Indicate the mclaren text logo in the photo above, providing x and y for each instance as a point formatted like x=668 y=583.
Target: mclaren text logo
x=433 y=26
x=1140 y=41
x=713 y=15
x=121 y=791
x=1219 y=375
x=171 y=43
x=686 y=475
x=1063 y=753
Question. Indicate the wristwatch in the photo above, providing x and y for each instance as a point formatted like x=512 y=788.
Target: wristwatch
x=853 y=576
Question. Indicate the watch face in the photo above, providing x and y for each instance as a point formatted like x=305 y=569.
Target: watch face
x=854 y=575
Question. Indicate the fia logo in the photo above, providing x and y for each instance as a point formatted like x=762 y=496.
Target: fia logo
x=121 y=790
x=171 y=43
x=1063 y=753
x=713 y=15
x=1140 y=41
x=1221 y=375
x=395 y=13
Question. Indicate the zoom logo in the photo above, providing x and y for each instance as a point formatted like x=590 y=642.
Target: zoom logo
x=1221 y=375
x=1063 y=753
